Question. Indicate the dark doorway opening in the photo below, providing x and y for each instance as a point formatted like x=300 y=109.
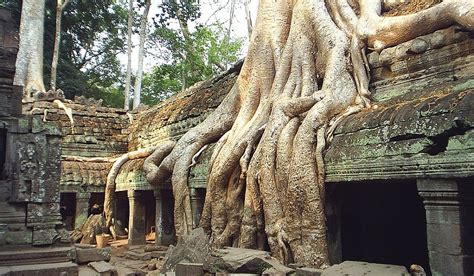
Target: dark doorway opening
x=3 y=151
x=150 y=211
x=122 y=210
x=96 y=198
x=383 y=222
x=67 y=203
x=169 y=234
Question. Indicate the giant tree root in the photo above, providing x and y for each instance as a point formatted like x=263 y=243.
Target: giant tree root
x=305 y=71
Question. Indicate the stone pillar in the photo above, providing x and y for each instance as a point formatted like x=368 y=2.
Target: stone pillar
x=82 y=209
x=136 y=221
x=449 y=206
x=197 y=203
x=158 y=217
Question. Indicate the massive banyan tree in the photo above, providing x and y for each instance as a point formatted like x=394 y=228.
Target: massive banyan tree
x=305 y=71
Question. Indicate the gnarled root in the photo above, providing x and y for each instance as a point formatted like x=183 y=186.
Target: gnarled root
x=306 y=71
x=109 y=197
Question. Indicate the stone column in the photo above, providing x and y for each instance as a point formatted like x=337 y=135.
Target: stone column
x=158 y=217
x=449 y=206
x=197 y=203
x=136 y=221
x=82 y=209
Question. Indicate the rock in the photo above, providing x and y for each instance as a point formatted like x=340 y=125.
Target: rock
x=362 y=268
x=158 y=254
x=146 y=256
x=193 y=248
x=152 y=247
x=242 y=260
x=184 y=269
x=307 y=271
x=103 y=268
x=66 y=268
x=151 y=266
x=438 y=40
x=94 y=224
x=418 y=46
x=92 y=255
x=124 y=271
x=84 y=246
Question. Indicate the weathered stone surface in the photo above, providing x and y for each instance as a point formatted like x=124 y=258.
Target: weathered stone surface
x=362 y=268
x=93 y=255
x=184 y=269
x=138 y=256
x=449 y=208
x=193 y=248
x=53 y=269
x=16 y=256
x=94 y=225
x=307 y=271
x=242 y=260
x=103 y=268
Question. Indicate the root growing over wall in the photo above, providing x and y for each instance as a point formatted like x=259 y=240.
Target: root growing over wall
x=305 y=71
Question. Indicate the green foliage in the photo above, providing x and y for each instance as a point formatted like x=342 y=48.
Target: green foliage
x=91 y=37
x=211 y=52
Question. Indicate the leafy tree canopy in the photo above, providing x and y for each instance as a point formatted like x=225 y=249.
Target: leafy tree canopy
x=91 y=37
x=188 y=55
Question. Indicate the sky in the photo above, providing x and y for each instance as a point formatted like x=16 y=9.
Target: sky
x=211 y=11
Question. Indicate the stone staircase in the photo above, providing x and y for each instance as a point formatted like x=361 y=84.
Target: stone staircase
x=29 y=261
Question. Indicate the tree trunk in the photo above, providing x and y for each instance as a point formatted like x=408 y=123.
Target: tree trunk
x=57 y=39
x=29 y=62
x=128 y=77
x=141 y=54
x=304 y=72
x=248 y=18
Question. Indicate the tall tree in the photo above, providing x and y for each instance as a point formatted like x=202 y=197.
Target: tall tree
x=141 y=54
x=128 y=78
x=304 y=72
x=248 y=18
x=212 y=53
x=91 y=39
x=60 y=5
x=29 y=61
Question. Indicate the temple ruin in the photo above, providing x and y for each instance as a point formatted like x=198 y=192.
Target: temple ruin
x=399 y=176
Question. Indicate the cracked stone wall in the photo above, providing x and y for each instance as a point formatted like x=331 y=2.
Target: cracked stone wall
x=30 y=158
x=94 y=131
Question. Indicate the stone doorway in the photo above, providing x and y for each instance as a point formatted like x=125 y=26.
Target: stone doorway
x=3 y=151
x=122 y=209
x=150 y=211
x=383 y=222
x=169 y=234
x=96 y=198
x=68 y=210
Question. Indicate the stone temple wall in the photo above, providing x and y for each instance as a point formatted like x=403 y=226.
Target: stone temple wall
x=169 y=120
x=29 y=158
x=94 y=131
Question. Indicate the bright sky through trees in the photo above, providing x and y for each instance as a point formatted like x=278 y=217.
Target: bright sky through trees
x=212 y=11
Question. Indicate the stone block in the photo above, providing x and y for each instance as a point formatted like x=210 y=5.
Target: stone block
x=368 y=269
x=307 y=271
x=53 y=269
x=450 y=239
x=137 y=256
x=446 y=264
x=103 y=268
x=93 y=255
x=44 y=235
x=184 y=269
x=158 y=254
